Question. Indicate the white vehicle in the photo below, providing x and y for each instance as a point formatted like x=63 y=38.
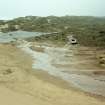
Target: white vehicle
x=72 y=40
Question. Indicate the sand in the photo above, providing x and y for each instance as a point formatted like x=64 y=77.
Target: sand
x=21 y=85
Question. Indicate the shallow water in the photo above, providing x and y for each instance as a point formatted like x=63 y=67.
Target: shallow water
x=11 y=36
x=43 y=61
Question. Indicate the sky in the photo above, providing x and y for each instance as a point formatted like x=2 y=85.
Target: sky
x=17 y=8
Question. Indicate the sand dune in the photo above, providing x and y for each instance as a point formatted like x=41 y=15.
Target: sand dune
x=21 y=85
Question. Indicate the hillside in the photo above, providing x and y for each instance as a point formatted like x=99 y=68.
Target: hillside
x=88 y=30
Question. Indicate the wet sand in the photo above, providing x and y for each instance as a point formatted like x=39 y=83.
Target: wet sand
x=22 y=85
x=80 y=71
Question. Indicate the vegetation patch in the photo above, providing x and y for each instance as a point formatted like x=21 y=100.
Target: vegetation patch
x=89 y=31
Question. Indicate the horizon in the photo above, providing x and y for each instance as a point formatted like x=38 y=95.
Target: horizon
x=52 y=15
x=17 y=8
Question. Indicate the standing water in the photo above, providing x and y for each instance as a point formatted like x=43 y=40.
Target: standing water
x=12 y=36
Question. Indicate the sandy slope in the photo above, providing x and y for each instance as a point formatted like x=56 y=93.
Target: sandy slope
x=20 y=85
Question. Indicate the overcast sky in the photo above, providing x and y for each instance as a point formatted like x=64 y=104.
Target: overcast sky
x=15 y=8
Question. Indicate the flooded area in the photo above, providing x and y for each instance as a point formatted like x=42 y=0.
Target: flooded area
x=68 y=64
x=12 y=36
